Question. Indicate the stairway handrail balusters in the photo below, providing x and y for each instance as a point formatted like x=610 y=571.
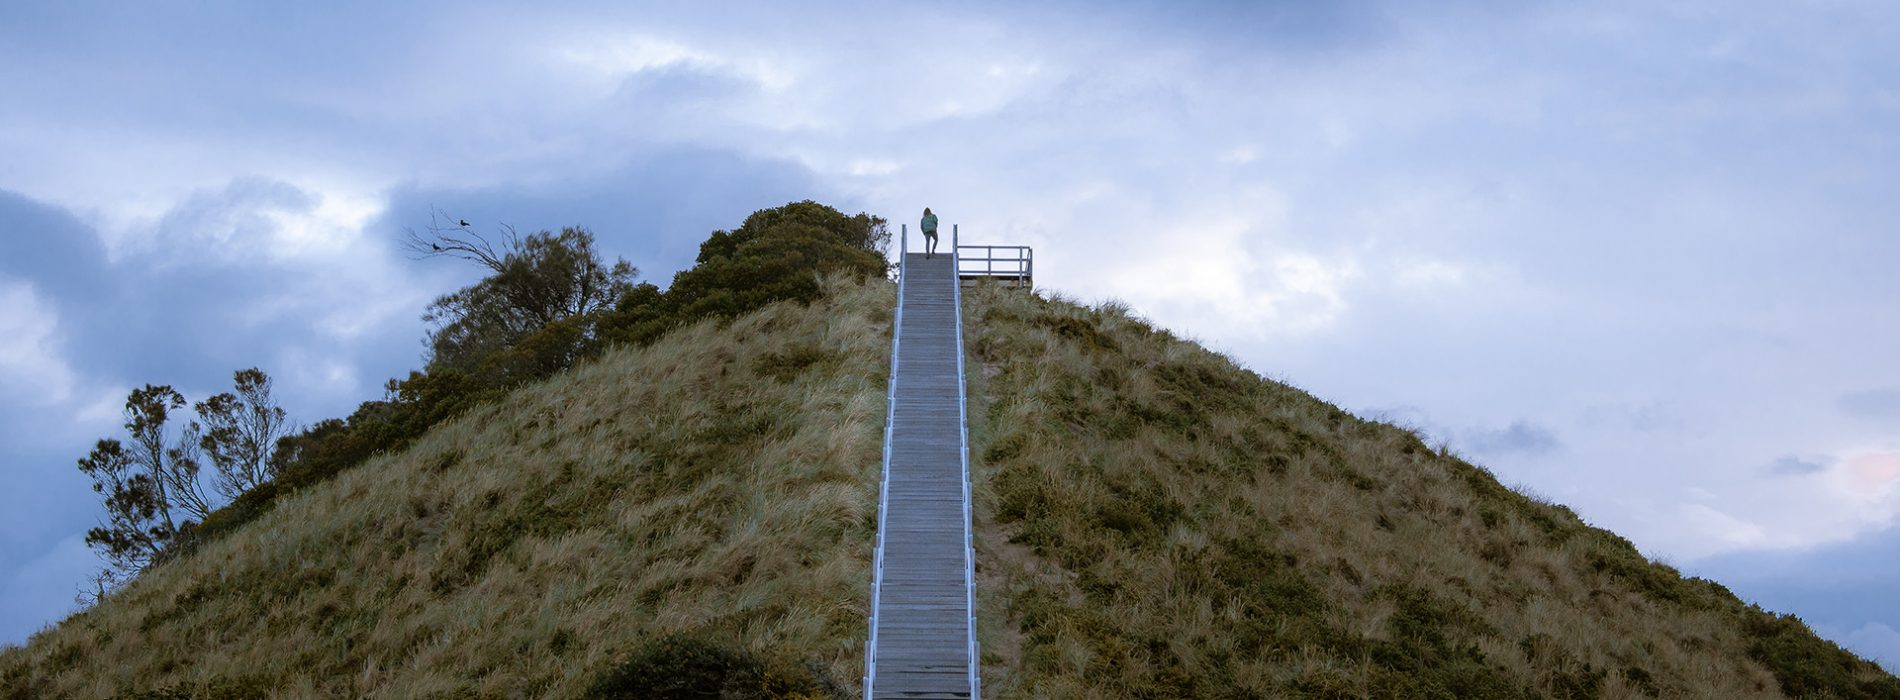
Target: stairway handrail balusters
x=963 y=424
x=884 y=481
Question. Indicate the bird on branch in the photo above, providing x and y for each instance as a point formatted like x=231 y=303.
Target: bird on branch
x=465 y=223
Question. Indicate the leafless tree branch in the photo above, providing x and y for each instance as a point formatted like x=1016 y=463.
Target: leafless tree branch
x=452 y=237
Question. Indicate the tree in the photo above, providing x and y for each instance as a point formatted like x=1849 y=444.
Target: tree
x=539 y=282
x=238 y=433
x=154 y=493
x=149 y=487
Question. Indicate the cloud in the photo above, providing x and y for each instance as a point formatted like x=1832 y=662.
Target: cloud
x=42 y=590
x=220 y=282
x=1468 y=211
x=31 y=366
x=239 y=223
x=1519 y=437
x=1723 y=527
x=1878 y=642
x=1873 y=474
x=653 y=208
x=1843 y=590
x=50 y=247
x=1791 y=465
x=1872 y=404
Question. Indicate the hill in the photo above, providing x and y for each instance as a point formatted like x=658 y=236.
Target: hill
x=1155 y=521
x=719 y=484
x=694 y=517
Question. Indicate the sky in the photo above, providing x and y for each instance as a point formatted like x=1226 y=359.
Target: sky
x=1637 y=259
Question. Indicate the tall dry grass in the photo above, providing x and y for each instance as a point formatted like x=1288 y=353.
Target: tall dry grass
x=721 y=483
x=1154 y=521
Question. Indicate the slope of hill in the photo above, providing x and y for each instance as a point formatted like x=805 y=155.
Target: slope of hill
x=720 y=484
x=698 y=516
x=1157 y=522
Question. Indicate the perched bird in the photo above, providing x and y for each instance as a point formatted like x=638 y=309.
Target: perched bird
x=465 y=223
x=437 y=247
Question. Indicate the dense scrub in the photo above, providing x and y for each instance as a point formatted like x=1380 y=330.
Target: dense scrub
x=1154 y=521
x=711 y=485
x=776 y=255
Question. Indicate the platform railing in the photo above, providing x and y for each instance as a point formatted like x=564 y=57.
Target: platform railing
x=1015 y=263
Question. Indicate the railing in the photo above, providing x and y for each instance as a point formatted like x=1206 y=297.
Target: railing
x=1014 y=263
x=1010 y=262
x=884 y=481
x=883 y=510
x=963 y=451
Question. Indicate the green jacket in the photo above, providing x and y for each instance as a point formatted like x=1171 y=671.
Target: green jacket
x=930 y=223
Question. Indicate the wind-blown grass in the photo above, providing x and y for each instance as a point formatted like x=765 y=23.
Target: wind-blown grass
x=1154 y=521
x=721 y=484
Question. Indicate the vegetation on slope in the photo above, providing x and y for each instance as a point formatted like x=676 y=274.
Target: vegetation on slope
x=690 y=514
x=719 y=484
x=541 y=312
x=1154 y=521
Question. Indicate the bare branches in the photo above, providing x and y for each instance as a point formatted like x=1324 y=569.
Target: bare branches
x=452 y=237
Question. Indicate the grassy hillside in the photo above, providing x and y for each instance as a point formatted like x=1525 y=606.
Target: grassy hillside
x=719 y=484
x=1154 y=521
x=698 y=515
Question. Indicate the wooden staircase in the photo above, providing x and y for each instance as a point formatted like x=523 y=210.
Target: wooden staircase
x=923 y=634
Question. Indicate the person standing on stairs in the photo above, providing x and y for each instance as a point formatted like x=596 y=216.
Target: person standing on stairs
x=929 y=226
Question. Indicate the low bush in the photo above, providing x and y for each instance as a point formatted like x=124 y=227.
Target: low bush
x=239 y=689
x=681 y=667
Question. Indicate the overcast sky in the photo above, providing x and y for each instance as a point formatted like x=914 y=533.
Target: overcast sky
x=1641 y=261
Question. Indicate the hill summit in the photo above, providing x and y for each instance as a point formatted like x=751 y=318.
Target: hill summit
x=693 y=515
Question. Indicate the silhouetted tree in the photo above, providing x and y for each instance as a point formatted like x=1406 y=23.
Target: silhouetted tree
x=153 y=490
x=551 y=284
x=239 y=431
x=150 y=487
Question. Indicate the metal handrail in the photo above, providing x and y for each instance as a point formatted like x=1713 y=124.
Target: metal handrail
x=890 y=425
x=963 y=451
x=884 y=482
x=1016 y=262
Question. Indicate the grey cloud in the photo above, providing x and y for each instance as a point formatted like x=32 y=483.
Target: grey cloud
x=1519 y=437
x=1646 y=418
x=237 y=216
x=654 y=209
x=1796 y=466
x=177 y=310
x=1841 y=586
x=135 y=320
x=1875 y=404
x=49 y=247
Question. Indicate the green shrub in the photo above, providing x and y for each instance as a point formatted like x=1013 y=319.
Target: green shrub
x=786 y=365
x=681 y=667
x=776 y=255
x=1808 y=666
x=236 y=689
